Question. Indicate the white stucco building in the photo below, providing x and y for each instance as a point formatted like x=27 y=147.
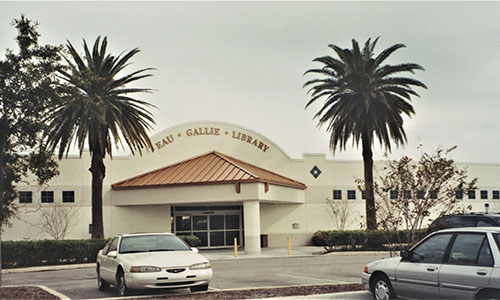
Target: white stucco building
x=217 y=181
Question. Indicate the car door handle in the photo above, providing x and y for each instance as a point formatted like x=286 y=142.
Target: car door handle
x=431 y=269
x=482 y=273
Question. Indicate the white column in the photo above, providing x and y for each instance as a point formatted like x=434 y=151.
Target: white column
x=251 y=216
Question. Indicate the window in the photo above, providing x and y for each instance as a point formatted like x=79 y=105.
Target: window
x=472 y=194
x=407 y=194
x=471 y=249
x=420 y=194
x=351 y=194
x=496 y=194
x=47 y=196
x=68 y=196
x=432 y=249
x=25 y=197
x=337 y=194
x=459 y=194
x=363 y=195
x=434 y=194
x=394 y=194
x=484 y=194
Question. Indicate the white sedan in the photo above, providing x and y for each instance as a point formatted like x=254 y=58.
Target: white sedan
x=459 y=263
x=151 y=260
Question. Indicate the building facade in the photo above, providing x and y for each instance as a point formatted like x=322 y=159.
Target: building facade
x=218 y=181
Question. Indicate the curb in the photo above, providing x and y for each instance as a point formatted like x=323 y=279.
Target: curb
x=47 y=268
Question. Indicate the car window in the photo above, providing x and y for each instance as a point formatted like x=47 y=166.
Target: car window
x=484 y=223
x=109 y=246
x=497 y=239
x=470 y=249
x=432 y=249
x=485 y=256
x=149 y=243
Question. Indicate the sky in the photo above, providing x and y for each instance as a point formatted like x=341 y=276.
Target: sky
x=244 y=63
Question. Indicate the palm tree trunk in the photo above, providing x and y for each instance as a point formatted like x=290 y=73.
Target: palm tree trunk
x=371 y=214
x=98 y=171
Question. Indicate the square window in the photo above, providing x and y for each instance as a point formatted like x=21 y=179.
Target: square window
x=337 y=194
x=68 y=196
x=363 y=195
x=420 y=194
x=484 y=194
x=25 y=197
x=472 y=194
x=394 y=194
x=496 y=194
x=47 y=196
x=351 y=194
x=459 y=194
x=407 y=194
x=433 y=194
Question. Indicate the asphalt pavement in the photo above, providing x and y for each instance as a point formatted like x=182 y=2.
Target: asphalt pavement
x=273 y=267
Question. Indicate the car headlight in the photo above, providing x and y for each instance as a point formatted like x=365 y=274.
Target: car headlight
x=201 y=266
x=144 y=269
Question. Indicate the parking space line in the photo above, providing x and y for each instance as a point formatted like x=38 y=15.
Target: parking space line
x=310 y=278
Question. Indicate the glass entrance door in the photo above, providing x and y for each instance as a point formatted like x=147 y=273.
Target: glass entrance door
x=214 y=229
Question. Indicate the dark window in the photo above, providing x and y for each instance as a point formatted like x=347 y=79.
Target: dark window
x=25 y=197
x=432 y=249
x=420 y=194
x=407 y=194
x=337 y=194
x=394 y=194
x=459 y=194
x=434 y=194
x=351 y=194
x=363 y=195
x=47 y=196
x=484 y=194
x=470 y=249
x=68 y=196
x=496 y=194
x=472 y=194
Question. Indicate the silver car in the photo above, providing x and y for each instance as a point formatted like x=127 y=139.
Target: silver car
x=151 y=261
x=459 y=263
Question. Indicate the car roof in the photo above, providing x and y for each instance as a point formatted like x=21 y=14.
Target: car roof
x=491 y=229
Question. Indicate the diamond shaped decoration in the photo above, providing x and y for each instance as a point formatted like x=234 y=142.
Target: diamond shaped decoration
x=315 y=172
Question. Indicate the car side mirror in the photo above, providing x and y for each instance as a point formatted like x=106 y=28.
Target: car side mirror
x=112 y=254
x=405 y=254
x=195 y=250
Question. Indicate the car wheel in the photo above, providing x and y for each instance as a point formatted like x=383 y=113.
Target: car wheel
x=123 y=290
x=382 y=289
x=199 y=288
x=101 y=283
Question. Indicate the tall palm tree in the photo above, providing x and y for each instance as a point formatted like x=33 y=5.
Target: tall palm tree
x=98 y=109
x=364 y=99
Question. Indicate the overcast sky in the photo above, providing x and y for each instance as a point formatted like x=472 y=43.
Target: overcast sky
x=243 y=62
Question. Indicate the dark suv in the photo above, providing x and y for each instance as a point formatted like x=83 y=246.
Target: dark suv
x=464 y=220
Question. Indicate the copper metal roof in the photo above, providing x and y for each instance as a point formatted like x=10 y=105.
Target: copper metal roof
x=209 y=168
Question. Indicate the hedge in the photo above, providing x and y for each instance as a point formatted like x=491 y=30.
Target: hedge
x=362 y=239
x=17 y=254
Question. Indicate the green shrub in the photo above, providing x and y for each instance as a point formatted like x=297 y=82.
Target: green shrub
x=49 y=252
x=191 y=240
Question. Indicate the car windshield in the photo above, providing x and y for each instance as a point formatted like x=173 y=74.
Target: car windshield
x=150 y=243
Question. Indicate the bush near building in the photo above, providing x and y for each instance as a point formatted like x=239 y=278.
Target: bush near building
x=16 y=254
x=336 y=240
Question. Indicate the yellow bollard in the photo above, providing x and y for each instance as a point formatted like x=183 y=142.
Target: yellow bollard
x=235 y=247
x=288 y=244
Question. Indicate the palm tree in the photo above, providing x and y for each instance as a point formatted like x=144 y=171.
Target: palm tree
x=98 y=109
x=364 y=99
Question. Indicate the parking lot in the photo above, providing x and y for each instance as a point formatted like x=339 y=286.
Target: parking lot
x=229 y=273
